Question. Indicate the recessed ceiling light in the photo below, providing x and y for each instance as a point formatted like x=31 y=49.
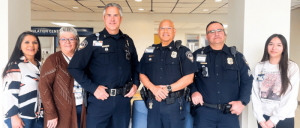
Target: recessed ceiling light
x=141 y=9
x=62 y=24
x=138 y=0
x=205 y=10
x=218 y=0
x=225 y=26
x=76 y=7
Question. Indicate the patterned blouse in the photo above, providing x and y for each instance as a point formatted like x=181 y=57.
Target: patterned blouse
x=21 y=95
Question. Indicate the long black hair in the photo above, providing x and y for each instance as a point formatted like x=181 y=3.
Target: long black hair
x=17 y=53
x=283 y=63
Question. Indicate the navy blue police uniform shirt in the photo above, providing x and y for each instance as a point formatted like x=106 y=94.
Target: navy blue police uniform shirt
x=107 y=64
x=222 y=84
x=162 y=66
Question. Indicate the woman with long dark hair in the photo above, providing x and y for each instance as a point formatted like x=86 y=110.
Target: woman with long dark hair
x=22 y=104
x=275 y=86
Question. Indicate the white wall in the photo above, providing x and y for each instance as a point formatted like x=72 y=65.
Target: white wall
x=295 y=38
x=140 y=28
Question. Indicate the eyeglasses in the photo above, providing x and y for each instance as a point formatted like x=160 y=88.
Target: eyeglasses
x=128 y=55
x=64 y=40
x=163 y=28
x=214 y=31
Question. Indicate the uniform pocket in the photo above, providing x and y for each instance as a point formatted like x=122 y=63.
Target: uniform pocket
x=173 y=66
x=231 y=73
x=150 y=65
x=106 y=55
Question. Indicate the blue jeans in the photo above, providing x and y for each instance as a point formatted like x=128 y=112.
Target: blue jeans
x=29 y=123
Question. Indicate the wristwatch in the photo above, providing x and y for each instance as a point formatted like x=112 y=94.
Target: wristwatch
x=169 y=88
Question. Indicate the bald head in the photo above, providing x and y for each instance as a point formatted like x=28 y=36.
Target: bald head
x=166 y=32
x=166 y=21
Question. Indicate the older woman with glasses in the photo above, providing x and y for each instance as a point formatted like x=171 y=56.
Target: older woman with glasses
x=61 y=94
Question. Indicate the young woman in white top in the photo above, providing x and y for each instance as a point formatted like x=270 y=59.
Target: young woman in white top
x=21 y=102
x=275 y=86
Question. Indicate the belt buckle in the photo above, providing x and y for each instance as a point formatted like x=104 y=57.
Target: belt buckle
x=220 y=106
x=113 y=92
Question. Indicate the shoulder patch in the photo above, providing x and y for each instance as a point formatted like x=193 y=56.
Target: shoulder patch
x=82 y=45
x=245 y=60
x=189 y=55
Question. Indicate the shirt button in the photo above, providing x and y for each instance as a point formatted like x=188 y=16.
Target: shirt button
x=218 y=91
x=119 y=67
x=162 y=60
x=163 y=51
x=160 y=77
x=216 y=65
x=160 y=68
x=219 y=101
x=119 y=58
x=172 y=62
x=217 y=82
x=217 y=74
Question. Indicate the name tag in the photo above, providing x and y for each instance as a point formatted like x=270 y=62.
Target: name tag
x=77 y=89
x=201 y=58
x=97 y=43
x=149 y=50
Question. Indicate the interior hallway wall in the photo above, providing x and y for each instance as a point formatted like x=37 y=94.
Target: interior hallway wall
x=295 y=38
x=140 y=30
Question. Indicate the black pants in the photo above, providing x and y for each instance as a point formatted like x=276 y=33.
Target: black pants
x=286 y=123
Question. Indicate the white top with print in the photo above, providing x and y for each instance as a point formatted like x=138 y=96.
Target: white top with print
x=266 y=90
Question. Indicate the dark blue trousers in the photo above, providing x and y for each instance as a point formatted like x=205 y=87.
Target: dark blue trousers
x=111 y=113
x=78 y=111
x=286 y=123
x=205 y=117
x=166 y=116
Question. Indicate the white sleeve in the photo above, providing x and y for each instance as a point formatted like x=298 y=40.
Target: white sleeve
x=255 y=96
x=11 y=84
x=288 y=101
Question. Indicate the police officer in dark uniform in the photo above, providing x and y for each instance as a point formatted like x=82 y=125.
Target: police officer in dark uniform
x=111 y=59
x=222 y=85
x=160 y=71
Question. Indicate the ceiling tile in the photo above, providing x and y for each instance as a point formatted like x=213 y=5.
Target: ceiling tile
x=185 y=5
x=182 y=10
x=163 y=5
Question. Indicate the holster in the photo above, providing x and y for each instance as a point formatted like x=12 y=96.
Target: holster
x=127 y=87
x=226 y=108
x=144 y=95
x=187 y=93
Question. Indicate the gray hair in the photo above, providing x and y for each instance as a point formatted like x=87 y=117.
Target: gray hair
x=68 y=29
x=113 y=5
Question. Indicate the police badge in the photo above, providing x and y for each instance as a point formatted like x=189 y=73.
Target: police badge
x=230 y=61
x=174 y=54
x=82 y=45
